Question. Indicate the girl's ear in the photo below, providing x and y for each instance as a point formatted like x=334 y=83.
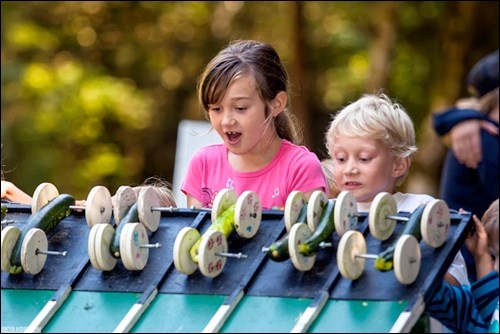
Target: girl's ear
x=279 y=103
x=400 y=166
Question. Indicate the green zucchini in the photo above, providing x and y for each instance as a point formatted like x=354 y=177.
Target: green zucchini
x=223 y=224
x=385 y=259
x=45 y=219
x=324 y=230
x=278 y=251
x=4 y=210
x=132 y=216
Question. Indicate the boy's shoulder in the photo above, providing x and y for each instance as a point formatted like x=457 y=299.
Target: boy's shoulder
x=408 y=202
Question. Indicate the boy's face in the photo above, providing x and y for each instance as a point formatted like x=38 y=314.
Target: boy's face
x=364 y=167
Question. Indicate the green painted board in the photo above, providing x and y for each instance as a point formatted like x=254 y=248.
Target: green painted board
x=20 y=307
x=355 y=316
x=91 y=312
x=265 y=314
x=179 y=313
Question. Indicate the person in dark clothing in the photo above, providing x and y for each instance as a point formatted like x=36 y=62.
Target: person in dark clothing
x=465 y=185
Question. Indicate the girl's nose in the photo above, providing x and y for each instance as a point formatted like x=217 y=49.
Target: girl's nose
x=227 y=118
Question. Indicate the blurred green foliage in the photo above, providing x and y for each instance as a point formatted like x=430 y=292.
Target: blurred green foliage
x=93 y=91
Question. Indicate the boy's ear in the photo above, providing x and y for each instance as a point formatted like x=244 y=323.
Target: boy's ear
x=279 y=103
x=400 y=166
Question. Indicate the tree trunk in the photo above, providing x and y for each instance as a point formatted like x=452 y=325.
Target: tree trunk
x=384 y=25
x=446 y=89
x=299 y=96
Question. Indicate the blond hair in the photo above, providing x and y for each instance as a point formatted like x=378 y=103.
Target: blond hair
x=327 y=167
x=375 y=117
x=490 y=221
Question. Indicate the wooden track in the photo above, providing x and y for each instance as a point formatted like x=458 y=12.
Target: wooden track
x=249 y=295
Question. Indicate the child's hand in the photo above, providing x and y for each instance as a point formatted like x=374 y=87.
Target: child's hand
x=477 y=241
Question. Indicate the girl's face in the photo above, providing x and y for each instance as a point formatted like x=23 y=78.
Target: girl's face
x=240 y=118
x=365 y=167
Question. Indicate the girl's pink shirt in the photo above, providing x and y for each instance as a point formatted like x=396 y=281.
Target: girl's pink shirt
x=293 y=168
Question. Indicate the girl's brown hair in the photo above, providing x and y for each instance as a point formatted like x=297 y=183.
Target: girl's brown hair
x=262 y=61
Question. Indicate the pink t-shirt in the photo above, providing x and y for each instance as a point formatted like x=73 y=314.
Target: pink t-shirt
x=293 y=168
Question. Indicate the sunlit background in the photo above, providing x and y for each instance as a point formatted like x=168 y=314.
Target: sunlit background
x=93 y=91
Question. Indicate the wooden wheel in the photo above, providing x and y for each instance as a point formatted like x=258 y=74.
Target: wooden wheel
x=345 y=213
x=10 y=234
x=44 y=193
x=32 y=261
x=124 y=198
x=99 y=207
x=247 y=214
x=351 y=244
x=407 y=259
x=149 y=198
x=212 y=244
x=316 y=205
x=435 y=223
x=293 y=206
x=224 y=199
x=184 y=240
x=299 y=233
x=99 y=243
x=382 y=206
x=134 y=257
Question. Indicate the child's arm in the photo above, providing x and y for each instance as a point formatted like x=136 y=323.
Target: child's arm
x=477 y=243
x=193 y=202
x=12 y=193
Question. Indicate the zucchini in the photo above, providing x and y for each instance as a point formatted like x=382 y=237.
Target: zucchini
x=132 y=216
x=223 y=224
x=45 y=219
x=324 y=230
x=4 y=210
x=278 y=251
x=385 y=259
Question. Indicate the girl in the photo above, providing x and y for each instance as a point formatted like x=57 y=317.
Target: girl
x=243 y=91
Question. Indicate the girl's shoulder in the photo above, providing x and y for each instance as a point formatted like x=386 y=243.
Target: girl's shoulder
x=211 y=149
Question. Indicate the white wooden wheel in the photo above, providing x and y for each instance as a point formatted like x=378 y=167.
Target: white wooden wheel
x=293 y=206
x=184 y=240
x=10 y=234
x=99 y=243
x=247 y=214
x=124 y=198
x=316 y=205
x=345 y=213
x=299 y=233
x=212 y=244
x=383 y=205
x=32 y=261
x=134 y=257
x=98 y=207
x=149 y=198
x=44 y=193
x=407 y=259
x=435 y=223
x=224 y=199
x=351 y=244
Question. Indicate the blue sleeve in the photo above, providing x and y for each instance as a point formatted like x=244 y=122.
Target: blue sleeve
x=465 y=309
x=445 y=120
x=489 y=167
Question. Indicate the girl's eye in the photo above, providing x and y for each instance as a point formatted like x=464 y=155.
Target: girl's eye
x=214 y=109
